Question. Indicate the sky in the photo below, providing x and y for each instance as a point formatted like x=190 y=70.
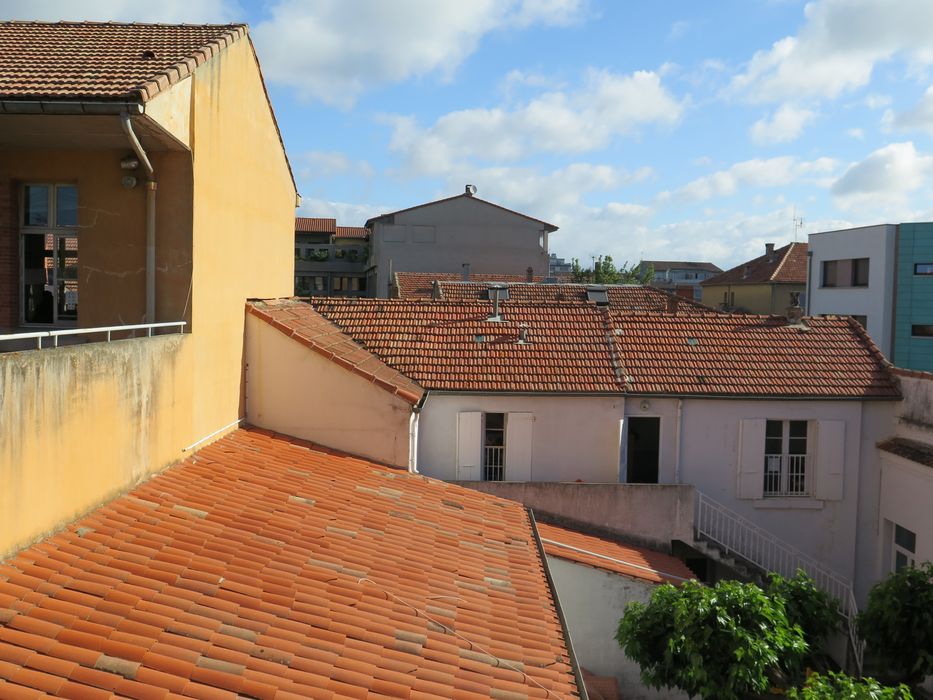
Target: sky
x=675 y=130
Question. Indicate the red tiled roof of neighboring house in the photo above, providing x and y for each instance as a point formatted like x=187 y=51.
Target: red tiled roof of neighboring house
x=914 y=450
x=103 y=61
x=617 y=558
x=620 y=297
x=787 y=265
x=309 y=224
x=297 y=320
x=453 y=345
x=550 y=227
x=351 y=232
x=263 y=567
x=739 y=355
x=417 y=285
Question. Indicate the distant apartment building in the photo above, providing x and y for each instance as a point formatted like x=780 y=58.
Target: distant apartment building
x=445 y=235
x=883 y=276
x=330 y=260
x=767 y=284
x=558 y=267
x=678 y=276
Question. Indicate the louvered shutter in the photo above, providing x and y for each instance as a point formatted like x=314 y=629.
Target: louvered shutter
x=469 y=445
x=518 y=446
x=830 y=459
x=751 y=458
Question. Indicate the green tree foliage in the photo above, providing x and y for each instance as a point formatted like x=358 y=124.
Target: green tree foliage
x=898 y=622
x=716 y=642
x=605 y=272
x=836 y=686
x=814 y=610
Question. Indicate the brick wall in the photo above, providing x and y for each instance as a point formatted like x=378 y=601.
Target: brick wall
x=9 y=256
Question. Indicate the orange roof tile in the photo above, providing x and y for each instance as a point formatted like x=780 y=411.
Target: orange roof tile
x=297 y=320
x=309 y=224
x=787 y=265
x=454 y=345
x=103 y=60
x=262 y=566
x=351 y=232
x=614 y=557
x=739 y=355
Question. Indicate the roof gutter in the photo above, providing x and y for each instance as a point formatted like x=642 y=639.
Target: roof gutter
x=577 y=674
x=65 y=107
x=151 y=186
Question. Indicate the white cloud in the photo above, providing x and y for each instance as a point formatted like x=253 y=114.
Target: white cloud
x=678 y=30
x=318 y=164
x=837 y=49
x=770 y=172
x=856 y=133
x=785 y=125
x=875 y=101
x=919 y=117
x=605 y=106
x=168 y=11
x=884 y=178
x=333 y=51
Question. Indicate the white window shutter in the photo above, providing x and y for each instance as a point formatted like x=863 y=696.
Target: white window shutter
x=751 y=458
x=469 y=445
x=518 y=429
x=830 y=459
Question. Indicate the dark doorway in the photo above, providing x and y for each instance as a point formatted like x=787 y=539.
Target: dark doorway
x=644 y=439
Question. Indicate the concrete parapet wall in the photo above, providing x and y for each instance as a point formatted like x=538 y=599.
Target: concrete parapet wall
x=649 y=514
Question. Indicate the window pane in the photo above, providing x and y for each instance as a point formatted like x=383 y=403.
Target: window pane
x=829 y=273
x=774 y=429
x=66 y=205
x=36 y=205
x=900 y=561
x=905 y=538
x=495 y=420
x=773 y=446
x=860 y=272
x=925 y=331
x=798 y=428
x=923 y=269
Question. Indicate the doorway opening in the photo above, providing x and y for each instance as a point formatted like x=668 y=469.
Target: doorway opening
x=643 y=450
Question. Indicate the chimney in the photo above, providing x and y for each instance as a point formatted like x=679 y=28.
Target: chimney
x=523 y=334
x=673 y=302
x=794 y=311
x=530 y=274
x=466 y=272
x=435 y=290
x=769 y=248
x=494 y=290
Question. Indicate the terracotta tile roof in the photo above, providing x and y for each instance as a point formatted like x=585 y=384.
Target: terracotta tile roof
x=550 y=227
x=738 y=355
x=452 y=345
x=297 y=320
x=351 y=232
x=914 y=450
x=103 y=61
x=614 y=557
x=417 y=285
x=621 y=297
x=261 y=567
x=787 y=265
x=309 y=224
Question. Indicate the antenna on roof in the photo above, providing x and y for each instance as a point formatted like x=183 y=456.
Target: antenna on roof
x=798 y=224
x=469 y=190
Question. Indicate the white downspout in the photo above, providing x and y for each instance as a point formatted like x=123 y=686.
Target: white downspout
x=413 y=440
x=151 y=186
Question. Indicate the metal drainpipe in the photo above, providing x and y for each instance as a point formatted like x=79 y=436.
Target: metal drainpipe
x=680 y=436
x=151 y=187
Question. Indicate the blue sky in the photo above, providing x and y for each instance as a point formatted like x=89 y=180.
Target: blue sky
x=671 y=130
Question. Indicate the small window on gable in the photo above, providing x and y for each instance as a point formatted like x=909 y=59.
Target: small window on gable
x=905 y=548
x=597 y=294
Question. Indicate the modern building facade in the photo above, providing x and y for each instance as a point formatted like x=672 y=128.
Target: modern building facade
x=767 y=284
x=679 y=277
x=445 y=235
x=330 y=260
x=883 y=276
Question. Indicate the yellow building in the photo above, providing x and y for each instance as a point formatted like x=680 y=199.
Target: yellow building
x=142 y=180
x=765 y=285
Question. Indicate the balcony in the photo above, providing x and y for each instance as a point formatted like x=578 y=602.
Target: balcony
x=330 y=257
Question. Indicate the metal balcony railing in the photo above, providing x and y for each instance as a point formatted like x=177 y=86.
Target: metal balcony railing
x=493 y=463
x=107 y=331
x=736 y=535
x=786 y=475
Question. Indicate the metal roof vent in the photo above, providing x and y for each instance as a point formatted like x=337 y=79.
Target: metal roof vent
x=597 y=293
x=494 y=290
x=148 y=55
x=435 y=290
x=497 y=289
x=522 y=334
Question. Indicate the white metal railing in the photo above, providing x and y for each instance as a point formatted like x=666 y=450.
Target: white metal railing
x=786 y=475
x=107 y=330
x=739 y=536
x=493 y=463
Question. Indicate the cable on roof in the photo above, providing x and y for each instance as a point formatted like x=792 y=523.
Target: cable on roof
x=473 y=645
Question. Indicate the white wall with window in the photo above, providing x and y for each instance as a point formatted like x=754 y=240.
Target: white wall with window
x=851 y=272
x=906 y=526
x=520 y=437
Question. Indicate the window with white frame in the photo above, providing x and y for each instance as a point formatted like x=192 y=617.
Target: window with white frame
x=785 y=458
x=493 y=446
x=904 y=548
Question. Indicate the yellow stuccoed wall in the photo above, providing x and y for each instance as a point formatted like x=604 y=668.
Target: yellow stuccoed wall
x=79 y=425
x=755 y=298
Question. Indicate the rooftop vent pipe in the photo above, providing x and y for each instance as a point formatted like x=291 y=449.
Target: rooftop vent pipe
x=466 y=272
x=523 y=334
x=494 y=291
x=530 y=274
x=435 y=290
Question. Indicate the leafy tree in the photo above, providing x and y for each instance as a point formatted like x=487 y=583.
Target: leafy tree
x=898 y=622
x=814 y=610
x=716 y=642
x=833 y=686
x=605 y=272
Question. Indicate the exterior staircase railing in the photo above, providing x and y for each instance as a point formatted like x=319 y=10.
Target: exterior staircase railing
x=739 y=536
